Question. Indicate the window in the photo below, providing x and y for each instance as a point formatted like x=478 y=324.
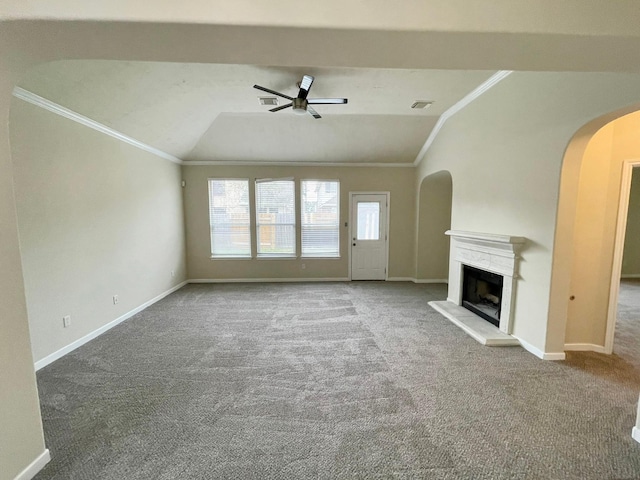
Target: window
x=320 y=218
x=229 y=218
x=368 y=221
x=276 y=218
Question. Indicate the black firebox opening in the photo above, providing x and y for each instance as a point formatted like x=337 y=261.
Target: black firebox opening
x=482 y=293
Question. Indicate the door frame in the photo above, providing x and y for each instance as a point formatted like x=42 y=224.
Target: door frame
x=386 y=243
x=618 y=251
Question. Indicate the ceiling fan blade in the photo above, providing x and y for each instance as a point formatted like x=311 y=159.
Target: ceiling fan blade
x=273 y=92
x=281 y=107
x=326 y=101
x=313 y=112
x=305 y=86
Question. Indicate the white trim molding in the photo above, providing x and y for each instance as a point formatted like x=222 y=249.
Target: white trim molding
x=34 y=467
x=90 y=336
x=635 y=434
x=418 y=280
x=618 y=250
x=266 y=163
x=267 y=280
x=53 y=107
x=584 y=347
x=539 y=353
x=470 y=97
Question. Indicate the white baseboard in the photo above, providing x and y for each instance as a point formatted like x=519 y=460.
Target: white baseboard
x=265 y=280
x=630 y=275
x=90 y=336
x=555 y=356
x=417 y=280
x=583 y=347
x=34 y=467
x=635 y=434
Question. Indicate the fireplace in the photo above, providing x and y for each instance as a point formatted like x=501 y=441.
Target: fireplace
x=482 y=293
x=496 y=257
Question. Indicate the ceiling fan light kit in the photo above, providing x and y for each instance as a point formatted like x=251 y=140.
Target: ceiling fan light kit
x=301 y=105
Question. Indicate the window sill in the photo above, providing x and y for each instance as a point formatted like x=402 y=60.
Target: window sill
x=224 y=257
x=276 y=257
x=314 y=257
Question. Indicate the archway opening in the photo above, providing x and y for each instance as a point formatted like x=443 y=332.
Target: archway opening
x=590 y=229
x=434 y=218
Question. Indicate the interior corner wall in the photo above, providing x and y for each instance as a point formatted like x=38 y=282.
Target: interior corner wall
x=505 y=152
x=398 y=181
x=631 y=255
x=594 y=231
x=434 y=218
x=97 y=217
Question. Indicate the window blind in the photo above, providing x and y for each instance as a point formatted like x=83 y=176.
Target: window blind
x=320 y=226
x=276 y=218
x=229 y=218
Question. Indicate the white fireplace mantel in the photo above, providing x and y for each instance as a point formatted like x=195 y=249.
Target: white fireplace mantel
x=490 y=252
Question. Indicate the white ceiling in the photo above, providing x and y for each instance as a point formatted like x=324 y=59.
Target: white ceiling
x=211 y=113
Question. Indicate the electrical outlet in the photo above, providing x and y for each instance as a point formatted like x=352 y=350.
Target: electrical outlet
x=304 y=266
x=66 y=321
x=173 y=273
x=115 y=299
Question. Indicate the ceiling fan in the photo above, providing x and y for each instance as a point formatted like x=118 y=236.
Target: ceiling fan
x=301 y=104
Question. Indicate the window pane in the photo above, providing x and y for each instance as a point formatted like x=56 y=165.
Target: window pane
x=368 y=221
x=320 y=218
x=229 y=218
x=276 y=217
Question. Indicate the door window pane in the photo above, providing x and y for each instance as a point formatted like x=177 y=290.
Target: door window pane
x=368 y=221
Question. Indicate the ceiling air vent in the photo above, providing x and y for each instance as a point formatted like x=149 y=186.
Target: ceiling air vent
x=271 y=101
x=421 y=104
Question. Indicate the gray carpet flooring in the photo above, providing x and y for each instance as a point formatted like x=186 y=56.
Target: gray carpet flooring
x=356 y=380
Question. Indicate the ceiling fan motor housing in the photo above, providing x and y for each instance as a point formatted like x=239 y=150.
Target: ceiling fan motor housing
x=300 y=106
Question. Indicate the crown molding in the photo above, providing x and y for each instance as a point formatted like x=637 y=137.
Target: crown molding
x=293 y=164
x=53 y=107
x=466 y=100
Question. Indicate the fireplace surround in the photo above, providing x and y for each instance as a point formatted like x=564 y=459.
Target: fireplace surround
x=495 y=254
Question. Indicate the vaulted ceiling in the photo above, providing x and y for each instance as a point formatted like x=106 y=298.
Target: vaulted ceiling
x=212 y=113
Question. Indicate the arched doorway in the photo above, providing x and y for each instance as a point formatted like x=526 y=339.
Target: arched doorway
x=590 y=233
x=434 y=218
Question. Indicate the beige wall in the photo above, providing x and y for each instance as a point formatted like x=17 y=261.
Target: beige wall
x=589 y=35
x=589 y=266
x=631 y=256
x=398 y=181
x=434 y=218
x=505 y=152
x=97 y=218
x=594 y=231
x=21 y=438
